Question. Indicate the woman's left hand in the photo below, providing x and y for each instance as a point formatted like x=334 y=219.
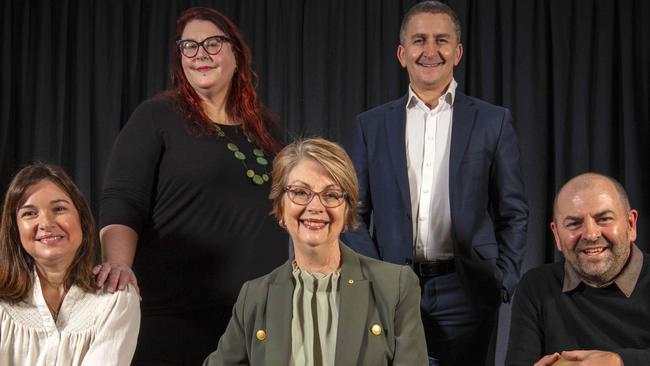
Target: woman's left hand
x=115 y=276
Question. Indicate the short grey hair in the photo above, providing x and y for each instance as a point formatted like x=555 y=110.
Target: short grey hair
x=432 y=7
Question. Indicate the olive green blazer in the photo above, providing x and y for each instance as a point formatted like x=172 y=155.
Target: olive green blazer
x=371 y=293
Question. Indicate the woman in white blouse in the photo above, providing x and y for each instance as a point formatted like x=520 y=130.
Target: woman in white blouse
x=51 y=312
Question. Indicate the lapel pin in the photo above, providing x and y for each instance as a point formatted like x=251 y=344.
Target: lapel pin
x=350 y=281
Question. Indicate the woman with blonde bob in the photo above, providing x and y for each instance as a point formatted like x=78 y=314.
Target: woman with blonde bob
x=327 y=305
x=51 y=311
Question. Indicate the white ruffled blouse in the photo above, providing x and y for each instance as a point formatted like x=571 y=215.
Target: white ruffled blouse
x=91 y=329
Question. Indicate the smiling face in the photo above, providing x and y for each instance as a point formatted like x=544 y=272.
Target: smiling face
x=593 y=230
x=49 y=225
x=312 y=225
x=429 y=52
x=208 y=74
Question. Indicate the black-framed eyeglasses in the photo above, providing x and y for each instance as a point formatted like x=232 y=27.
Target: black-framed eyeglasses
x=211 y=45
x=330 y=198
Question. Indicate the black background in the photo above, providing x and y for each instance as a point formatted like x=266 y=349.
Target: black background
x=575 y=74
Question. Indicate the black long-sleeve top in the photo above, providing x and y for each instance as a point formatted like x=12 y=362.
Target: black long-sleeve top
x=546 y=320
x=204 y=227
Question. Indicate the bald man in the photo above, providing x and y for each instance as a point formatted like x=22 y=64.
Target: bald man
x=594 y=307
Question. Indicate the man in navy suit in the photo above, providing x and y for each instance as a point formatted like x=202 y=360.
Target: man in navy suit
x=440 y=179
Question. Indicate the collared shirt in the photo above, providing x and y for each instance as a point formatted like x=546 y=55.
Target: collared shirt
x=625 y=281
x=428 y=138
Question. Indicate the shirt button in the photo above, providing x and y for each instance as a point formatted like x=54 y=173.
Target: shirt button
x=376 y=329
x=260 y=335
x=426 y=191
x=430 y=138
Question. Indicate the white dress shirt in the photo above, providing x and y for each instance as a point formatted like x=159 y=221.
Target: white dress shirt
x=428 y=138
x=92 y=329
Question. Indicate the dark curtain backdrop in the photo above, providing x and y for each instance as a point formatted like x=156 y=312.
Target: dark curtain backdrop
x=576 y=75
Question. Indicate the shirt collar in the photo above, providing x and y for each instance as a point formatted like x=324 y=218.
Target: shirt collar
x=625 y=281
x=447 y=97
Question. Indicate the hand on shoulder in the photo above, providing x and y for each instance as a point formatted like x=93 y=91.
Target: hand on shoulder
x=115 y=276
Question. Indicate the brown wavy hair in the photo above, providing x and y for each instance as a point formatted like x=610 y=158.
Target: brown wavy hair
x=242 y=103
x=16 y=265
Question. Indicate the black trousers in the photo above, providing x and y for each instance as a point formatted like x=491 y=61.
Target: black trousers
x=456 y=334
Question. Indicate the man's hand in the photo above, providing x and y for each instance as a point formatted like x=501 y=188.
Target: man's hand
x=593 y=358
x=112 y=276
x=547 y=360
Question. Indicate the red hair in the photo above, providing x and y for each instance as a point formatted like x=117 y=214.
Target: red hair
x=241 y=102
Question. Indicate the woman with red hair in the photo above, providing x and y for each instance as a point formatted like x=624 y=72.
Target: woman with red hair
x=184 y=207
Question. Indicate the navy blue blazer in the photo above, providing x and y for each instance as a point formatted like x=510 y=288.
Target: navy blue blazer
x=489 y=214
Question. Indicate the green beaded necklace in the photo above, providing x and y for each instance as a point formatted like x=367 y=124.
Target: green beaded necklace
x=260 y=159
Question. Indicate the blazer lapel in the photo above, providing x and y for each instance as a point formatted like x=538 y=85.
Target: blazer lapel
x=353 y=309
x=279 y=311
x=461 y=128
x=395 y=124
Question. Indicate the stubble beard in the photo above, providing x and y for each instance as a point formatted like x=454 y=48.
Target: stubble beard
x=603 y=272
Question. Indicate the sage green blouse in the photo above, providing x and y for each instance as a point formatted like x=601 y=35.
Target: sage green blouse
x=314 y=324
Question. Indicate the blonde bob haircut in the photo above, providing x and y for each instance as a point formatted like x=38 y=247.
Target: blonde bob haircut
x=331 y=157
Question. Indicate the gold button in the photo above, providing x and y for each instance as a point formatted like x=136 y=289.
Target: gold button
x=350 y=281
x=261 y=335
x=376 y=329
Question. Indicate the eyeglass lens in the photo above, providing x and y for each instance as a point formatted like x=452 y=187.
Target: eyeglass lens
x=211 y=45
x=329 y=198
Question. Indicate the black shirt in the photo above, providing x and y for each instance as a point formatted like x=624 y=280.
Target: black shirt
x=204 y=227
x=546 y=320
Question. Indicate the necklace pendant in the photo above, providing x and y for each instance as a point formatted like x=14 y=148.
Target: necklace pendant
x=258 y=180
x=260 y=158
